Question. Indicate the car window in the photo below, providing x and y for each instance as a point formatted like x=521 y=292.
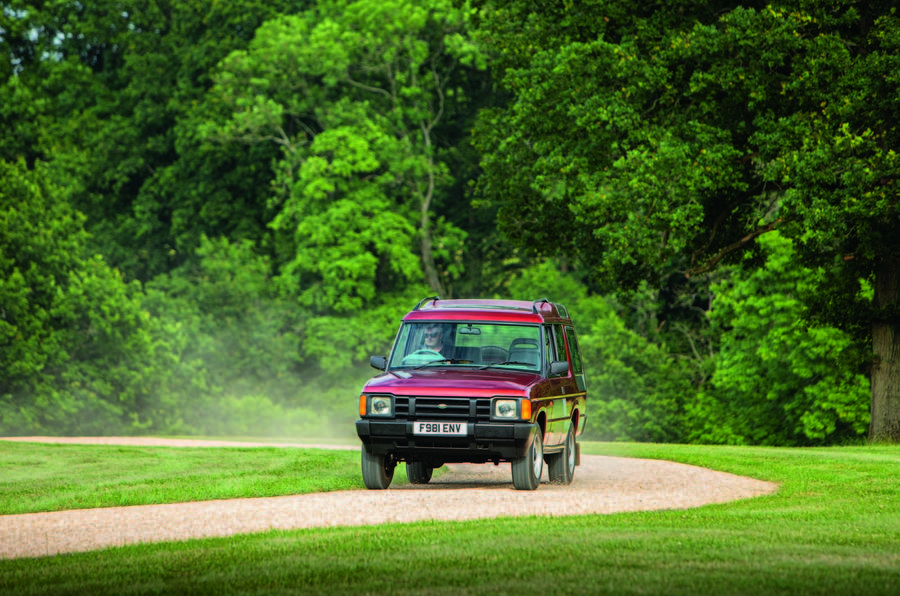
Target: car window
x=467 y=344
x=560 y=342
x=576 y=353
x=549 y=348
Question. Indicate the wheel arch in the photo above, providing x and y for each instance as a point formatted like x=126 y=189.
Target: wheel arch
x=542 y=421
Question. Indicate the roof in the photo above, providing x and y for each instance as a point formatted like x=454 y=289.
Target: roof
x=504 y=311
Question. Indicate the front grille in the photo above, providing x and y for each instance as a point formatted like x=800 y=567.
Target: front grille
x=439 y=408
x=483 y=409
x=443 y=408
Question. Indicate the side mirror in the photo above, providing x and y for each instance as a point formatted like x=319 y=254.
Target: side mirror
x=379 y=362
x=559 y=367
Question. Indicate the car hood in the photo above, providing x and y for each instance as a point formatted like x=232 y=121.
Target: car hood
x=465 y=382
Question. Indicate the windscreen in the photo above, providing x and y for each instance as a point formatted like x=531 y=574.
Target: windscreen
x=468 y=344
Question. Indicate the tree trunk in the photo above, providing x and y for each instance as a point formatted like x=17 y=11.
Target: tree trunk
x=885 y=424
x=431 y=274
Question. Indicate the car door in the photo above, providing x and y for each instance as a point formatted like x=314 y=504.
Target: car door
x=561 y=388
x=578 y=394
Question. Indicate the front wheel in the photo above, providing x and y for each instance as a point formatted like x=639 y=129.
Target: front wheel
x=561 y=466
x=377 y=470
x=418 y=472
x=526 y=471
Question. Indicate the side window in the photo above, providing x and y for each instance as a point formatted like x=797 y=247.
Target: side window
x=576 y=353
x=560 y=342
x=548 y=345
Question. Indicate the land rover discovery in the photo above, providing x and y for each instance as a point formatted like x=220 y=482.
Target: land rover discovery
x=476 y=381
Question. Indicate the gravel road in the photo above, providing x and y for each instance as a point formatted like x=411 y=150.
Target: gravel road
x=465 y=492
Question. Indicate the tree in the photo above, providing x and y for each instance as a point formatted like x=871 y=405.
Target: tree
x=59 y=59
x=655 y=140
x=111 y=93
x=78 y=352
x=777 y=381
x=39 y=245
x=354 y=93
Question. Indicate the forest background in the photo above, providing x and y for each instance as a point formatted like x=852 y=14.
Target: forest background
x=212 y=213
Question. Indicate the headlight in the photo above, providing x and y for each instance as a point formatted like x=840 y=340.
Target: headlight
x=380 y=405
x=506 y=408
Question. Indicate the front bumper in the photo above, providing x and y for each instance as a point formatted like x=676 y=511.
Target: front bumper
x=485 y=442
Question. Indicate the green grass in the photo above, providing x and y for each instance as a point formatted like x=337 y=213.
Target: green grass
x=43 y=477
x=833 y=528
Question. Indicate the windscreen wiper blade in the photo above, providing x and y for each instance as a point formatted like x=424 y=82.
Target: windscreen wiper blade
x=529 y=364
x=444 y=361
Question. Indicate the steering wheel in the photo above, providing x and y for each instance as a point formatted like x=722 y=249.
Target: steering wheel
x=423 y=356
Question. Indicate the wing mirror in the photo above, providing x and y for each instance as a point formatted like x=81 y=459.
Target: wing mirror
x=379 y=362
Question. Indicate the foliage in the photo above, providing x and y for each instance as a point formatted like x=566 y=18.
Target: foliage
x=110 y=92
x=756 y=375
x=286 y=178
x=233 y=322
x=777 y=380
x=78 y=352
x=354 y=95
x=637 y=387
x=238 y=363
x=247 y=360
x=40 y=241
x=651 y=142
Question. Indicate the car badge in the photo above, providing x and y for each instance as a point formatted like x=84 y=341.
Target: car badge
x=442 y=406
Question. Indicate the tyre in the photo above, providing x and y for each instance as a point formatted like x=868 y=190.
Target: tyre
x=418 y=472
x=526 y=471
x=377 y=470
x=561 y=466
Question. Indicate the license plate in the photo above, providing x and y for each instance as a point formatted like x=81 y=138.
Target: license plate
x=440 y=428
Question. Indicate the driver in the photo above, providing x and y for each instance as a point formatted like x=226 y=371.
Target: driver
x=434 y=338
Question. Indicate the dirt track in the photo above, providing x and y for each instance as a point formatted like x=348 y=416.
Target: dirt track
x=602 y=485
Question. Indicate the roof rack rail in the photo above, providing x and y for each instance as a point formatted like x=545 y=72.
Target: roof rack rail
x=560 y=309
x=534 y=305
x=424 y=300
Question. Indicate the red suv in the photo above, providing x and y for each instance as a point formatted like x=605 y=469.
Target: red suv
x=476 y=381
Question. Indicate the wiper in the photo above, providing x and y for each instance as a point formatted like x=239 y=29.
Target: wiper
x=528 y=364
x=444 y=361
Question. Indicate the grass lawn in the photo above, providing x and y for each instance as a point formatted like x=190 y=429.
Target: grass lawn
x=833 y=528
x=48 y=477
